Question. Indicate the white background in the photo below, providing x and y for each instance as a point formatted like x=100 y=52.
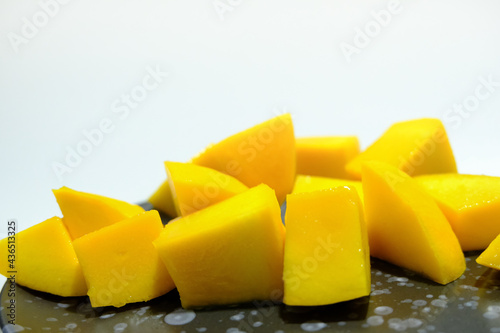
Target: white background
x=226 y=75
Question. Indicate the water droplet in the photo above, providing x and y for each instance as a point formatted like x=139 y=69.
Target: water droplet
x=491 y=315
x=375 y=320
x=107 y=315
x=258 y=324
x=51 y=319
x=439 y=303
x=238 y=317
x=201 y=329
x=383 y=310
x=234 y=330
x=312 y=326
x=63 y=305
x=120 y=327
x=414 y=322
x=180 y=317
x=419 y=302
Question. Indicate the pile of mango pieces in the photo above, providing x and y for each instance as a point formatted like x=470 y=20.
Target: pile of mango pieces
x=401 y=200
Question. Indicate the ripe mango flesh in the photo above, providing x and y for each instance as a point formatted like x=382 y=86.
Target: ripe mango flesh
x=163 y=201
x=406 y=227
x=471 y=203
x=305 y=183
x=85 y=212
x=44 y=259
x=327 y=259
x=195 y=187
x=262 y=154
x=120 y=263
x=491 y=256
x=416 y=147
x=325 y=156
x=230 y=252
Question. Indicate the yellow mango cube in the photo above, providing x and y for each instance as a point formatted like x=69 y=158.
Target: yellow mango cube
x=305 y=183
x=491 y=256
x=416 y=147
x=406 y=227
x=85 y=212
x=120 y=263
x=43 y=259
x=264 y=153
x=471 y=203
x=327 y=259
x=195 y=187
x=325 y=156
x=163 y=201
x=227 y=253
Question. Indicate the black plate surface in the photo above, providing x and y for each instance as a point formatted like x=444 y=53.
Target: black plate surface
x=400 y=302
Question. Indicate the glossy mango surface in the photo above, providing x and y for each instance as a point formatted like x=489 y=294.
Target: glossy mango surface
x=264 y=154
x=325 y=156
x=406 y=227
x=230 y=252
x=417 y=147
x=120 y=263
x=44 y=259
x=471 y=204
x=327 y=258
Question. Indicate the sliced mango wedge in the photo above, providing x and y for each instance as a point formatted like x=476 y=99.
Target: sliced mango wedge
x=85 y=212
x=120 y=263
x=227 y=253
x=44 y=259
x=406 y=227
x=325 y=156
x=262 y=154
x=195 y=187
x=327 y=259
x=416 y=147
x=305 y=183
x=163 y=201
x=471 y=204
x=491 y=256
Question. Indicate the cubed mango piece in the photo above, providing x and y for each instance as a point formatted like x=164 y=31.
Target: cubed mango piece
x=86 y=212
x=120 y=263
x=43 y=259
x=327 y=259
x=325 y=156
x=305 y=183
x=471 y=203
x=195 y=187
x=262 y=154
x=416 y=147
x=491 y=256
x=163 y=201
x=230 y=252
x=406 y=227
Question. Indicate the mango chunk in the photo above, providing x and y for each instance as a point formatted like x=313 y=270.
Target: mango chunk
x=406 y=227
x=325 y=156
x=44 y=259
x=195 y=187
x=327 y=259
x=120 y=263
x=471 y=203
x=416 y=147
x=85 y=212
x=262 y=154
x=227 y=253
x=491 y=256
x=163 y=201
x=305 y=183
